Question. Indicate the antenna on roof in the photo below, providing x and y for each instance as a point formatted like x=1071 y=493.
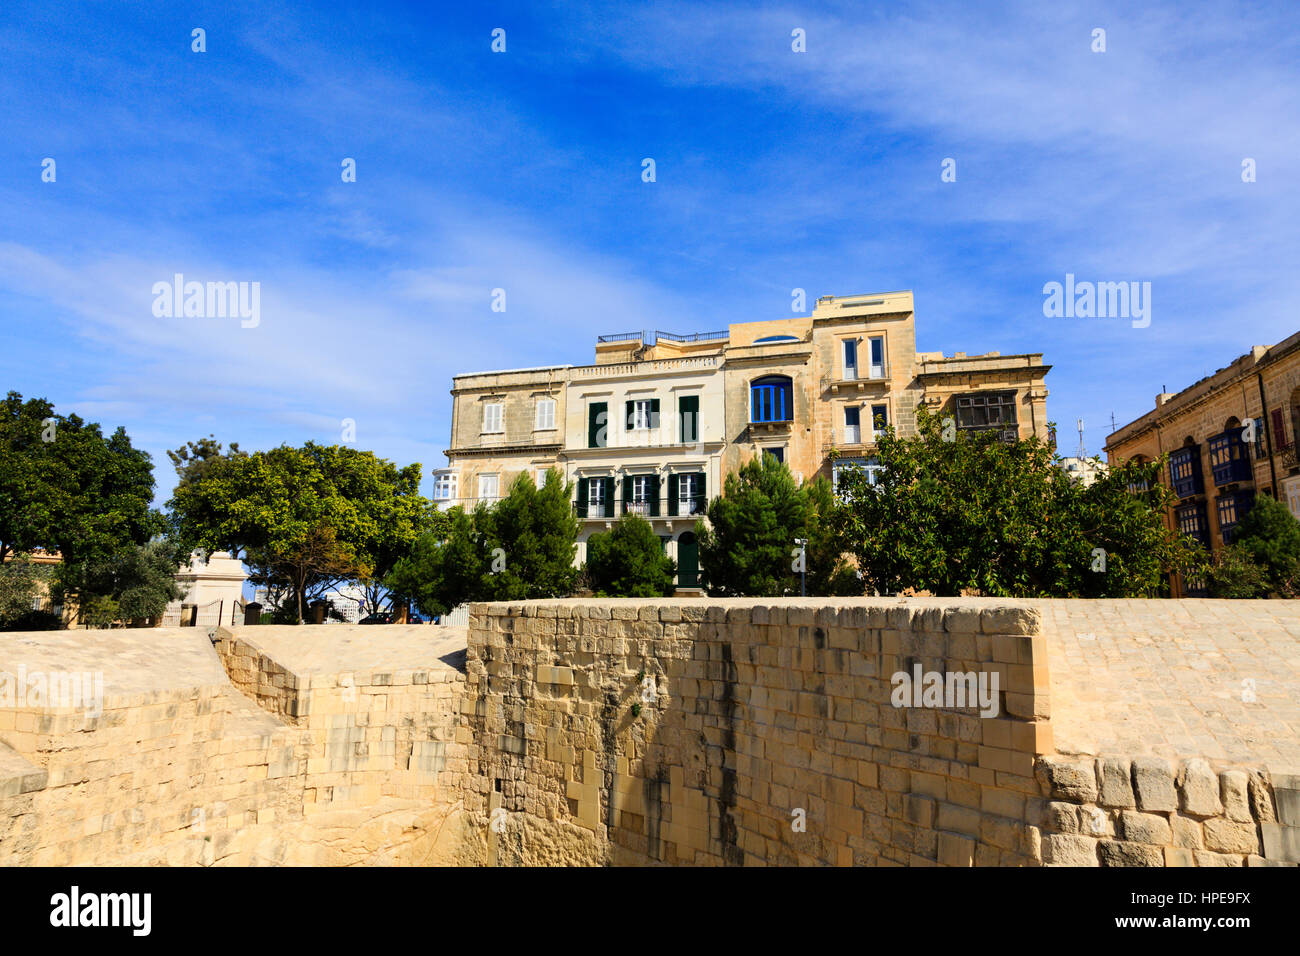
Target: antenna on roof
x=1081 y=454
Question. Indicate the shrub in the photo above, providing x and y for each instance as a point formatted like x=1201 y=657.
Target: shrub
x=629 y=561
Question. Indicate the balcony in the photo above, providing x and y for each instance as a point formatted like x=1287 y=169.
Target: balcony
x=688 y=363
x=1229 y=458
x=683 y=507
x=876 y=379
x=852 y=443
x=1185 y=472
x=697 y=337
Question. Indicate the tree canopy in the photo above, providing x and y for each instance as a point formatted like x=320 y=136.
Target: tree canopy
x=1264 y=556
x=520 y=548
x=305 y=518
x=629 y=561
x=950 y=512
x=749 y=545
x=65 y=487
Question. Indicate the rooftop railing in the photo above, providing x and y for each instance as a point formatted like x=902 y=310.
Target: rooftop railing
x=697 y=337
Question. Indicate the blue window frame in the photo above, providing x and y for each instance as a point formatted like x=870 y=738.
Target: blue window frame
x=1185 y=471
x=1192 y=522
x=1229 y=459
x=1232 y=508
x=771 y=399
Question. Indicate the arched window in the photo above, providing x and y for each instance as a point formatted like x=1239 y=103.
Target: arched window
x=771 y=399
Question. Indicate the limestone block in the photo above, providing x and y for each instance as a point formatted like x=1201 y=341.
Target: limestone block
x=1153 y=779
x=1198 y=789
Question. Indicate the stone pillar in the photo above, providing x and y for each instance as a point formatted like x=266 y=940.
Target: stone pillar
x=316 y=614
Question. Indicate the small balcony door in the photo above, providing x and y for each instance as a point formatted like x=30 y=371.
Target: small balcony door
x=850 y=359
x=877 y=357
x=852 y=425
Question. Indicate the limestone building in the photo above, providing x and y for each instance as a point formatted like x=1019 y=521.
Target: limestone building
x=659 y=420
x=1229 y=437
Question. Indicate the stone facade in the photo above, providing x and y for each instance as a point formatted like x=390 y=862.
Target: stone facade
x=763 y=732
x=1230 y=436
x=697 y=732
x=177 y=766
x=807 y=389
x=503 y=424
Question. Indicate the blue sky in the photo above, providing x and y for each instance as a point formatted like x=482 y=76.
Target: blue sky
x=522 y=170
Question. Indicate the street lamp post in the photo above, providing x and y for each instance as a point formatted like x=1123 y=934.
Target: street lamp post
x=803 y=565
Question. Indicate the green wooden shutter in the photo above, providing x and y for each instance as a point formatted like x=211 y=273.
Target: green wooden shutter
x=582 y=497
x=672 y=494
x=688 y=412
x=654 y=413
x=627 y=492
x=595 y=412
x=609 y=497
x=654 y=495
x=631 y=415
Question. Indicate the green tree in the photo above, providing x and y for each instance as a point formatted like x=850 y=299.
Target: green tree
x=748 y=547
x=828 y=574
x=21 y=582
x=302 y=560
x=1233 y=573
x=65 y=487
x=972 y=513
x=521 y=548
x=629 y=561
x=1268 y=536
x=531 y=535
x=134 y=584
x=305 y=518
x=445 y=568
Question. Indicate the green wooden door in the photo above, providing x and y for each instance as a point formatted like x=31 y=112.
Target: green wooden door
x=688 y=561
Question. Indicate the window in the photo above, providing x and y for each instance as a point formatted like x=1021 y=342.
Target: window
x=642 y=414
x=539 y=477
x=852 y=423
x=1229 y=460
x=771 y=399
x=877 y=344
x=492 y=418
x=1232 y=508
x=641 y=495
x=597 y=418
x=545 y=414
x=688 y=413
x=1185 y=471
x=1280 y=443
x=444 y=486
x=869 y=465
x=1291 y=490
x=488 y=487
x=988 y=411
x=776 y=451
x=1192 y=522
x=1261 y=443
x=850 y=359
x=688 y=497
x=595 y=498
x=879 y=420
